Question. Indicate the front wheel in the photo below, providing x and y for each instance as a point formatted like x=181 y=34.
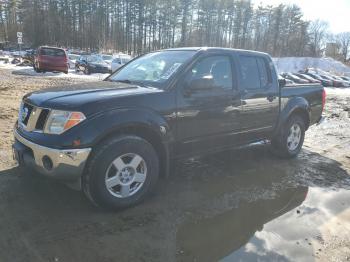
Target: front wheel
x=290 y=139
x=121 y=172
x=87 y=71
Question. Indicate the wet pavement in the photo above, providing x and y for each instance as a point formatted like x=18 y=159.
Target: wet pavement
x=234 y=206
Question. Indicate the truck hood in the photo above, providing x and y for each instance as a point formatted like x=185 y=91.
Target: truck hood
x=79 y=96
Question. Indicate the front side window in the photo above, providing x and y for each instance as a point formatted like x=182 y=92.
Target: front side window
x=153 y=69
x=216 y=68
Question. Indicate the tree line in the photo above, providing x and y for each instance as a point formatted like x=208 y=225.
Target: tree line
x=138 y=26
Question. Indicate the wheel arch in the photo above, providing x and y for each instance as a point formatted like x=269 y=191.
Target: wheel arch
x=295 y=106
x=147 y=133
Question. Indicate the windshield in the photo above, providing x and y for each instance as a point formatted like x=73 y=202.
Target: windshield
x=73 y=57
x=153 y=69
x=107 y=57
x=95 y=59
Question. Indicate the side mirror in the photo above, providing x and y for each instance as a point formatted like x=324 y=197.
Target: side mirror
x=282 y=82
x=204 y=83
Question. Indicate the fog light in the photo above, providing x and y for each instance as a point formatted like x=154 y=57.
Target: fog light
x=47 y=163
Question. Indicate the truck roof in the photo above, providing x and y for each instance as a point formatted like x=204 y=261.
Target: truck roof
x=204 y=48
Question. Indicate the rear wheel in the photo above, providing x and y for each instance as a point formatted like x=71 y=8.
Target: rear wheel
x=121 y=173
x=290 y=139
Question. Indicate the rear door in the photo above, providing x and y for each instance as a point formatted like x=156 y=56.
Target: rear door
x=259 y=97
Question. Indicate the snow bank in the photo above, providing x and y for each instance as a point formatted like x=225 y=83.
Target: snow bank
x=294 y=64
x=29 y=71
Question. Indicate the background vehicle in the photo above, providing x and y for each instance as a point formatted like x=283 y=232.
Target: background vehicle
x=308 y=78
x=72 y=58
x=336 y=83
x=4 y=57
x=51 y=59
x=114 y=138
x=119 y=60
x=91 y=64
x=295 y=78
x=288 y=81
x=324 y=82
x=345 y=78
x=107 y=58
x=344 y=83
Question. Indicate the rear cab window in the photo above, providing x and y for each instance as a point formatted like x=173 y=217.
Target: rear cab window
x=255 y=73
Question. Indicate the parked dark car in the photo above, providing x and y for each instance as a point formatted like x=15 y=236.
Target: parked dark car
x=346 y=78
x=51 y=59
x=29 y=57
x=336 y=82
x=92 y=64
x=295 y=78
x=324 y=82
x=288 y=81
x=114 y=138
x=308 y=78
x=344 y=82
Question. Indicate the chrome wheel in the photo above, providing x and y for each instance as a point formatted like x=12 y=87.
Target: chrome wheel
x=294 y=137
x=126 y=175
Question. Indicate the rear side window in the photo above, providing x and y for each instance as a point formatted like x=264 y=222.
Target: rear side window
x=255 y=73
x=264 y=72
x=250 y=78
x=52 y=52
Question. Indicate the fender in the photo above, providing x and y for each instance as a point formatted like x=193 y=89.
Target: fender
x=293 y=105
x=109 y=122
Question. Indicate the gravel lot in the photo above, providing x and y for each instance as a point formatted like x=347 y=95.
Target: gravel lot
x=235 y=205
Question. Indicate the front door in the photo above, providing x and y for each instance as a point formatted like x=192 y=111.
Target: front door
x=206 y=110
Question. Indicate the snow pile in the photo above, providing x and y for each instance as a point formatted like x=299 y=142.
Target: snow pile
x=294 y=64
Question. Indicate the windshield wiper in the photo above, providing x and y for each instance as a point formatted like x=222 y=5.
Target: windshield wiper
x=127 y=81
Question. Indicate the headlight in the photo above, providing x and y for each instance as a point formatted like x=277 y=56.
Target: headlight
x=60 y=121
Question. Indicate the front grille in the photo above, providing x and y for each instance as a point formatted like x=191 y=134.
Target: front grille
x=32 y=118
x=40 y=124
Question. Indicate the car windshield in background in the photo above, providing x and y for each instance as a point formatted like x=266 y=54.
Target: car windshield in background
x=153 y=69
x=95 y=59
x=74 y=57
x=107 y=57
x=52 y=52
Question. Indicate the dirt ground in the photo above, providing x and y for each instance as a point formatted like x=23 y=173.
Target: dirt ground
x=235 y=206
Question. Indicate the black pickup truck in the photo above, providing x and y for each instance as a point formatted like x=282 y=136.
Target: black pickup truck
x=114 y=138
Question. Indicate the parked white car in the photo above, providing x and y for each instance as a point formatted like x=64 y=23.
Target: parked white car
x=72 y=58
x=119 y=60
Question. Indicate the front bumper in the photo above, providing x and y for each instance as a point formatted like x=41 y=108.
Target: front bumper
x=65 y=164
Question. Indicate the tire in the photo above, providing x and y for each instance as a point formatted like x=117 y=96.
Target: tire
x=36 y=69
x=87 y=71
x=290 y=139
x=112 y=161
x=77 y=69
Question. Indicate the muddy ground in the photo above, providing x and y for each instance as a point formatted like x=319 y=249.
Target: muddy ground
x=240 y=205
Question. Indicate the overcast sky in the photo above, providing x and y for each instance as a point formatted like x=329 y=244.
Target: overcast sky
x=335 y=12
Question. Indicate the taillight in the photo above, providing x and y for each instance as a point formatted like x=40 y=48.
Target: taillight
x=323 y=98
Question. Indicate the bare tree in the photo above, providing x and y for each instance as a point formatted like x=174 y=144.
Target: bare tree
x=318 y=32
x=343 y=40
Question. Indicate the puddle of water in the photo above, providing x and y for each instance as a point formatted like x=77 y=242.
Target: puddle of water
x=293 y=226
